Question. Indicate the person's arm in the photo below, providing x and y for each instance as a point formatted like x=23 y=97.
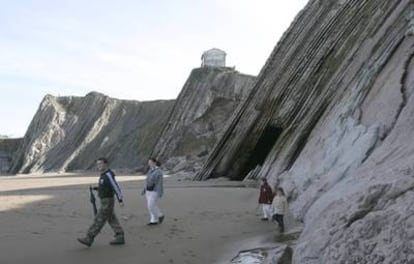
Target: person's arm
x=115 y=187
x=273 y=206
x=269 y=194
x=286 y=206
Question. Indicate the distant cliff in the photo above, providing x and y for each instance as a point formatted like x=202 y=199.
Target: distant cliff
x=330 y=119
x=8 y=146
x=207 y=101
x=69 y=133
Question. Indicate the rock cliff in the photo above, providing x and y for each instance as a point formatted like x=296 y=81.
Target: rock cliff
x=330 y=119
x=207 y=100
x=8 y=146
x=69 y=133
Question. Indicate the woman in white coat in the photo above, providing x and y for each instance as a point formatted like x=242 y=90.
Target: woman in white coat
x=280 y=208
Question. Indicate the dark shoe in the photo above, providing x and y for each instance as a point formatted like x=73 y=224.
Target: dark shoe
x=264 y=219
x=87 y=241
x=117 y=241
x=151 y=224
x=160 y=219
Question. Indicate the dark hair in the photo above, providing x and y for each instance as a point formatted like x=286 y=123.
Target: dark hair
x=155 y=161
x=104 y=160
x=280 y=189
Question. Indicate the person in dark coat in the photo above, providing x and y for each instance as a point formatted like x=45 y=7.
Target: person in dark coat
x=107 y=189
x=265 y=200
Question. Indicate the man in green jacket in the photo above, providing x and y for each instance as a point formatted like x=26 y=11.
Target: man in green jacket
x=107 y=188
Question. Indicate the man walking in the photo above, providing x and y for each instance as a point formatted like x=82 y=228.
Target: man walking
x=107 y=188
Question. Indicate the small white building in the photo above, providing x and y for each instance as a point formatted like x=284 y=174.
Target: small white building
x=213 y=58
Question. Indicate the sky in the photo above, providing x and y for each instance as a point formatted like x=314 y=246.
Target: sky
x=128 y=49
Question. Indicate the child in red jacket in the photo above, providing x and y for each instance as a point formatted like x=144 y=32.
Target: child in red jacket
x=265 y=199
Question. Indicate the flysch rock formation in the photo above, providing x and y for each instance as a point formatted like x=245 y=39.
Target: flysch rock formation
x=8 y=146
x=331 y=120
x=206 y=102
x=70 y=133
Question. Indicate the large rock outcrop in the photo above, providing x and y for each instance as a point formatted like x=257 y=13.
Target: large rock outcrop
x=207 y=101
x=331 y=120
x=8 y=146
x=69 y=133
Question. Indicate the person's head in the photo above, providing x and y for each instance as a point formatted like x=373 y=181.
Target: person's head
x=102 y=164
x=153 y=162
x=280 y=191
x=264 y=180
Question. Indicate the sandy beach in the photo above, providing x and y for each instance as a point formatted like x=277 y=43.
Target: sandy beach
x=206 y=222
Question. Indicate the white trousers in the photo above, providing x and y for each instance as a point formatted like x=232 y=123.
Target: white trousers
x=267 y=211
x=154 y=211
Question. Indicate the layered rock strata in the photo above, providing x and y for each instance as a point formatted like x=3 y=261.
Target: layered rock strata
x=331 y=119
x=206 y=102
x=8 y=146
x=70 y=133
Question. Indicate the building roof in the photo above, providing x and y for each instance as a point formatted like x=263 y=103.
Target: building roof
x=213 y=50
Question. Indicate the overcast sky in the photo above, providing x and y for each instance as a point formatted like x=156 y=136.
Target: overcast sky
x=128 y=49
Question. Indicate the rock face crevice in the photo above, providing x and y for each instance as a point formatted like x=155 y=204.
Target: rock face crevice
x=339 y=86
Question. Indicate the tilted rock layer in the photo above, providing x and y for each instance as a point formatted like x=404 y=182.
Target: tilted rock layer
x=331 y=119
x=70 y=133
x=8 y=146
x=207 y=101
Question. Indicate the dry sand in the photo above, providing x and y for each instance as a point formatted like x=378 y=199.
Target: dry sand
x=206 y=222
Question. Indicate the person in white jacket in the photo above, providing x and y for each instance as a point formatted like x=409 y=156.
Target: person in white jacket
x=280 y=208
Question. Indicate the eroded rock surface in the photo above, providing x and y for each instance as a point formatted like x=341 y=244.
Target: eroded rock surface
x=207 y=101
x=70 y=133
x=331 y=120
x=8 y=146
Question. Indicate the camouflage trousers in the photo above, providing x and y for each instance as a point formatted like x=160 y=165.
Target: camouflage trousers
x=105 y=214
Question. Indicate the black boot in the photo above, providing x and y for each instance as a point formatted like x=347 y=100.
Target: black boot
x=87 y=240
x=118 y=240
